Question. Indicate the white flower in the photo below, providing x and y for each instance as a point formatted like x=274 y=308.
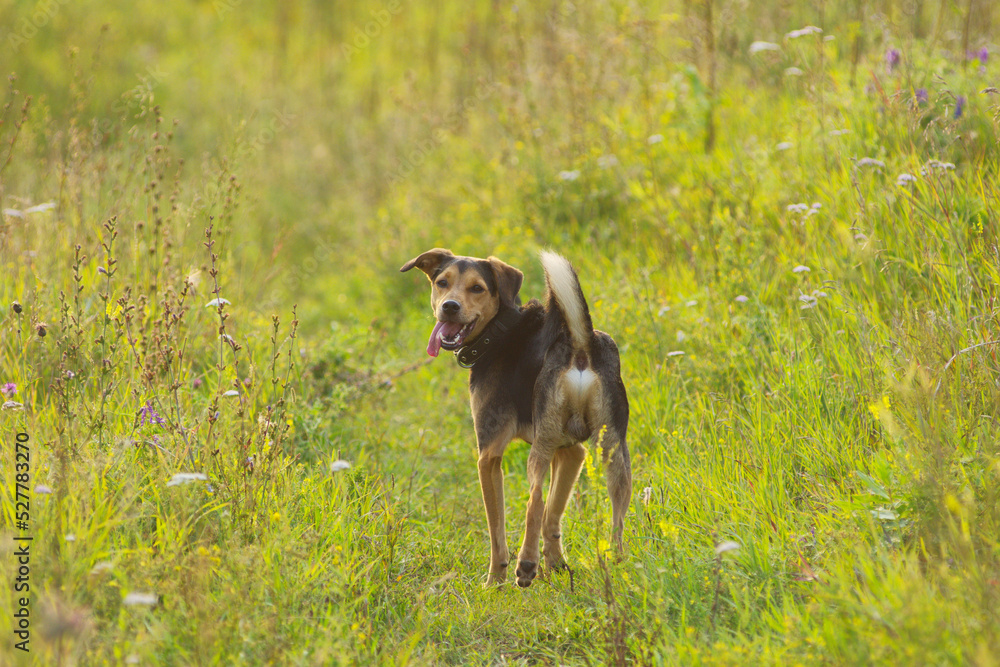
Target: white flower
x=47 y=206
x=662 y=310
x=796 y=208
x=871 y=162
x=654 y=139
x=13 y=213
x=793 y=71
x=905 y=179
x=757 y=47
x=70 y=537
x=606 y=161
x=103 y=566
x=216 y=302
x=185 y=477
x=232 y=392
x=569 y=175
x=681 y=336
x=691 y=303
x=675 y=353
x=147 y=599
x=647 y=494
x=41 y=488
x=808 y=301
x=837 y=133
x=783 y=146
x=12 y=405
x=801 y=268
x=741 y=299
x=802 y=32
x=339 y=465
x=728 y=545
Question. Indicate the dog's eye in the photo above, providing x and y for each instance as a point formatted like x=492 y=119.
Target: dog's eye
x=442 y=283
x=477 y=289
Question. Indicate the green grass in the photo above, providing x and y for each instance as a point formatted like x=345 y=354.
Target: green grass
x=838 y=422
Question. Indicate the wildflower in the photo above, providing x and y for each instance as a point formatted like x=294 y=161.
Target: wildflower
x=145 y=599
x=47 y=206
x=757 y=47
x=9 y=389
x=569 y=175
x=675 y=353
x=41 y=488
x=647 y=495
x=892 y=60
x=232 y=392
x=197 y=382
x=905 y=179
x=16 y=307
x=12 y=405
x=185 y=477
x=871 y=162
x=959 y=106
x=808 y=301
x=149 y=415
x=41 y=329
x=654 y=139
x=217 y=301
x=783 y=146
x=339 y=465
x=921 y=96
x=691 y=304
x=606 y=161
x=70 y=374
x=983 y=55
x=796 y=208
x=837 y=133
x=801 y=268
x=793 y=71
x=728 y=545
x=741 y=299
x=802 y=32
x=70 y=537
x=681 y=336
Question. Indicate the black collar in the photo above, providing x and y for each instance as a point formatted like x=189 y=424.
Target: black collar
x=492 y=335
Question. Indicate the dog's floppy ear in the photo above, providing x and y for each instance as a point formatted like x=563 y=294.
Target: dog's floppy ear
x=429 y=261
x=508 y=281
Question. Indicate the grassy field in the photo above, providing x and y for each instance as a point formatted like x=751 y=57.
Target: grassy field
x=787 y=216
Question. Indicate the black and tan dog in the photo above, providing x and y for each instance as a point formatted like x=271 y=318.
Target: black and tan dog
x=539 y=373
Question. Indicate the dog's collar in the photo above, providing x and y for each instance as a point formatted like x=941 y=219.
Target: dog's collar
x=494 y=333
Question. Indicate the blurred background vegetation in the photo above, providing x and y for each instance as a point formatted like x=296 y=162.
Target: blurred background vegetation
x=785 y=213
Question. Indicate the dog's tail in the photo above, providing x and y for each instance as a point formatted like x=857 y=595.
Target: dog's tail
x=566 y=298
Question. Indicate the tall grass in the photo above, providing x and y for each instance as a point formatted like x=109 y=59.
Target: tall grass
x=795 y=246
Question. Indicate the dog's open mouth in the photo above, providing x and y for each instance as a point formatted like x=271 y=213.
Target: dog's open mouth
x=449 y=335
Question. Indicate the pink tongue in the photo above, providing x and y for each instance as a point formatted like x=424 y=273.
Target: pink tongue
x=440 y=329
x=434 y=344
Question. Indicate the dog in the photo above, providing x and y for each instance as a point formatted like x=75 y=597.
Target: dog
x=539 y=373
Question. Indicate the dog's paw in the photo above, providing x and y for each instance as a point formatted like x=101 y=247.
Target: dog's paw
x=526 y=571
x=495 y=579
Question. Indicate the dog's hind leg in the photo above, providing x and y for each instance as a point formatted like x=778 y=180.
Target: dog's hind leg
x=566 y=464
x=528 y=557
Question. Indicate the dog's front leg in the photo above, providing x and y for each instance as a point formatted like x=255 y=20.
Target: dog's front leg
x=491 y=481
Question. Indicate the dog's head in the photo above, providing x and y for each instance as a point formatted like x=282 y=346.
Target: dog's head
x=466 y=293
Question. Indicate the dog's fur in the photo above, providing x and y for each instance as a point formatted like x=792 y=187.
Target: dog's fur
x=540 y=373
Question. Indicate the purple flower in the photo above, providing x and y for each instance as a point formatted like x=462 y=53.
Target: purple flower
x=983 y=54
x=149 y=415
x=959 y=106
x=892 y=59
x=9 y=389
x=922 y=96
x=197 y=382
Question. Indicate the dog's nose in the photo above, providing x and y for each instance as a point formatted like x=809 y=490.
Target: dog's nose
x=451 y=307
